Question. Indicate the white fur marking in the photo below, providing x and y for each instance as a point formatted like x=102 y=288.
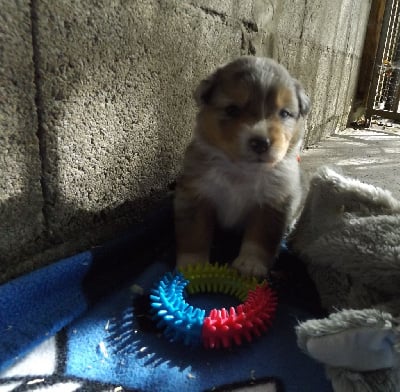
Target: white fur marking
x=236 y=187
x=252 y=260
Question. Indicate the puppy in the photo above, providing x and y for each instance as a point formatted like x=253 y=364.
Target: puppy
x=241 y=168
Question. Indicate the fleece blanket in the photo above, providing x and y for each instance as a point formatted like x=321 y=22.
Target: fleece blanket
x=83 y=324
x=348 y=235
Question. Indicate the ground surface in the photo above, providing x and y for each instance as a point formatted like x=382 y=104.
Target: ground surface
x=370 y=155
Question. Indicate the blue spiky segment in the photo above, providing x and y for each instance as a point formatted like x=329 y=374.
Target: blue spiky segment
x=179 y=320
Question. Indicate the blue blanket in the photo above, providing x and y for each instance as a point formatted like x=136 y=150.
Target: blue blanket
x=83 y=323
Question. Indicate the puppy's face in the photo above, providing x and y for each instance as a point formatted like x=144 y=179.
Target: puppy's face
x=251 y=109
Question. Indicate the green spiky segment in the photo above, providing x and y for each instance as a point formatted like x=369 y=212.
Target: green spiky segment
x=215 y=278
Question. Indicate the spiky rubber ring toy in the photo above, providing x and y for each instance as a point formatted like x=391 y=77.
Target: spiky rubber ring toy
x=221 y=327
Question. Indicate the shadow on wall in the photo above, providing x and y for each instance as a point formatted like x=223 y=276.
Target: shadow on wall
x=115 y=111
x=21 y=201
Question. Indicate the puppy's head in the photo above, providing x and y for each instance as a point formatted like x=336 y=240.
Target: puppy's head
x=252 y=110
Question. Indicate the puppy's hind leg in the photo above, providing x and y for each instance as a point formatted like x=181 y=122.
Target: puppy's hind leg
x=263 y=234
x=194 y=227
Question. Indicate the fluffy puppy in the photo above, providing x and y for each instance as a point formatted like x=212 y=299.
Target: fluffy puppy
x=241 y=168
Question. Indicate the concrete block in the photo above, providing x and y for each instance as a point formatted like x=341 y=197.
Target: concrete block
x=358 y=27
x=256 y=14
x=331 y=92
x=330 y=25
x=254 y=17
x=21 y=203
x=239 y=10
x=327 y=23
x=288 y=19
x=116 y=85
x=320 y=42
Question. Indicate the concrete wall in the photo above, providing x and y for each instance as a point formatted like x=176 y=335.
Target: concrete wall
x=21 y=198
x=96 y=106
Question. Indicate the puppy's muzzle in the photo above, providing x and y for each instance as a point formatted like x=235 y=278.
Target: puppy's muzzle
x=259 y=144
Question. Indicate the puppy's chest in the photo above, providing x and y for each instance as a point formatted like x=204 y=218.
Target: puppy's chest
x=234 y=193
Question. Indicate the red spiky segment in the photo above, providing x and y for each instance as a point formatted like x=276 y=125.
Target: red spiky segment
x=223 y=328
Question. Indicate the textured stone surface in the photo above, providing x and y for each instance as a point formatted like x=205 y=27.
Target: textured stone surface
x=21 y=221
x=116 y=86
x=115 y=109
x=321 y=44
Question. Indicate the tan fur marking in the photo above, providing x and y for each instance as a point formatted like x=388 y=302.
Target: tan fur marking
x=265 y=227
x=279 y=138
x=194 y=223
x=284 y=98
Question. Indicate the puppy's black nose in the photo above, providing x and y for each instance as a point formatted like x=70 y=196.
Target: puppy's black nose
x=259 y=144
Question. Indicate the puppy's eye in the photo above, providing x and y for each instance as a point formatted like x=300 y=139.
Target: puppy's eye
x=285 y=114
x=232 y=111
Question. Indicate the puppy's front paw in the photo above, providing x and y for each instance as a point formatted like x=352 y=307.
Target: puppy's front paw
x=189 y=258
x=251 y=266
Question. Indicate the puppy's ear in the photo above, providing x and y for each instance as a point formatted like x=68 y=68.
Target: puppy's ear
x=302 y=97
x=204 y=91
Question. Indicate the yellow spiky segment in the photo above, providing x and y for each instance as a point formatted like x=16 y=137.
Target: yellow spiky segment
x=215 y=278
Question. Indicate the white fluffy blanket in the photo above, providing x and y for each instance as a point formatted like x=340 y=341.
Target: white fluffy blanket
x=349 y=237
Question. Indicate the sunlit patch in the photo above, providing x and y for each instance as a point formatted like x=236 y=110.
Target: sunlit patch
x=364 y=161
x=391 y=150
x=381 y=137
x=42 y=361
x=370 y=134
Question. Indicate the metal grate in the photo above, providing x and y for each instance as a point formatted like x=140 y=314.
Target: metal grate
x=384 y=94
